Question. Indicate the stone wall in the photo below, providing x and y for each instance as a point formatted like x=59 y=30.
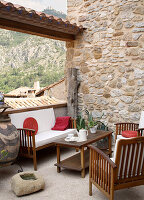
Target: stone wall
x=110 y=57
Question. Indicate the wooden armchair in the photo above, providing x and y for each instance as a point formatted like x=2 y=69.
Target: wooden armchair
x=126 y=171
x=131 y=127
x=126 y=126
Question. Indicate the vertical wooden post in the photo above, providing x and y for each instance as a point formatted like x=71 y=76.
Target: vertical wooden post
x=82 y=163
x=112 y=185
x=72 y=92
x=58 y=158
x=110 y=143
x=90 y=183
x=34 y=152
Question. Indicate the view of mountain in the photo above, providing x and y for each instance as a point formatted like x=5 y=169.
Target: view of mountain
x=26 y=58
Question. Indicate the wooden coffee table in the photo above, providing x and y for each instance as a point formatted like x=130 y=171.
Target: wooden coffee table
x=80 y=161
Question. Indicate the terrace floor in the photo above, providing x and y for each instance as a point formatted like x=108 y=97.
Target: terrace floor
x=68 y=185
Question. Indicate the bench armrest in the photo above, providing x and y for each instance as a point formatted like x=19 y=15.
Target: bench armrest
x=27 y=131
x=27 y=141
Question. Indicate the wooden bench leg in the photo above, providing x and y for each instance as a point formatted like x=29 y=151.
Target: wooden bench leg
x=58 y=158
x=34 y=160
x=112 y=195
x=90 y=188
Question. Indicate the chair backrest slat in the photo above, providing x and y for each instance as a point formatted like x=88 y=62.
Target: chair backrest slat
x=129 y=158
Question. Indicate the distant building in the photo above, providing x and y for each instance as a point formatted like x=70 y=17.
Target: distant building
x=57 y=90
x=24 y=92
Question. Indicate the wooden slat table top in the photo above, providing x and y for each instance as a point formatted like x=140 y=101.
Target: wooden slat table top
x=100 y=134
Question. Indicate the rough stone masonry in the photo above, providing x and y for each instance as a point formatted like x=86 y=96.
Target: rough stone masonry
x=109 y=56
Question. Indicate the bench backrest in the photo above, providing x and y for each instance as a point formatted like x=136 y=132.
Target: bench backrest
x=45 y=119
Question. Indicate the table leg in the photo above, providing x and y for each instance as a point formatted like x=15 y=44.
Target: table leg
x=82 y=163
x=58 y=158
x=110 y=141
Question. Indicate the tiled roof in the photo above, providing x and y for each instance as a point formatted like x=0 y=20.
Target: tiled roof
x=22 y=91
x=21 y=14
x=17 y=103
x=49 y=87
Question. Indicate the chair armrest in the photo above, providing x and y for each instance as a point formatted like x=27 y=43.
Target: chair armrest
x=103 y=155
x=140 y=131
x=101 y=169
x=27 y=141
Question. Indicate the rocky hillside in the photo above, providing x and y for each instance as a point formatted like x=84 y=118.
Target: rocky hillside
x=26 y=58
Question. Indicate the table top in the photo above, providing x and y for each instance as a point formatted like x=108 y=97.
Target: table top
x=91 y=138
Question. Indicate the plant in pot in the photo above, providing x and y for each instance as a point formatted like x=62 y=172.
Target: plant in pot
x=92 y=125
x=80 y=122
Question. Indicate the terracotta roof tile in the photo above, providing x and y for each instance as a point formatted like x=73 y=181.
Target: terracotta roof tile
x=32 y=15
x=17 y=103
x=19 y=91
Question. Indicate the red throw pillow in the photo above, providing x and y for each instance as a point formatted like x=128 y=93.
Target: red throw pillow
x=62 y=123
x=31 y=123
x=129 y=134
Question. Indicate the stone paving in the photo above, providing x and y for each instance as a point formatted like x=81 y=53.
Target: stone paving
x=68 y=185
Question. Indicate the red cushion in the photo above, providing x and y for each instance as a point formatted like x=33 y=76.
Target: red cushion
x=31 y=123
x=129 y=134
x=62 y=123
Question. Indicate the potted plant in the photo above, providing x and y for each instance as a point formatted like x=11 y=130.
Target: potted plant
x=80 y=122
x=92 y=125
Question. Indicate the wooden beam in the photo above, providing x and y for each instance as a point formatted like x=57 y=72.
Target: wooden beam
x=35 y=108
x=72 y=89
x=35 y=30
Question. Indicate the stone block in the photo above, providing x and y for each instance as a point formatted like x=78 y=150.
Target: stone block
x=88 y=98
x=126 y=99
x=139 y=24
x=134 y=108
x=82 y=18
x=118 y=25
x=133 y=52
x=139 y=10
x=97 y=52
x=132 y=44
x=26 y=183
x=129 y=24
x=118 y=34
x=136 y=30
x=84 y=69
x=137 y=36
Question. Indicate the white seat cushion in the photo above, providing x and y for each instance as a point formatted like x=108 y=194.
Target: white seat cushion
x=49 y=136
x=141 y=123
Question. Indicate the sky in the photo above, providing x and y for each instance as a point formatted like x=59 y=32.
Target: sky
x=39 y=5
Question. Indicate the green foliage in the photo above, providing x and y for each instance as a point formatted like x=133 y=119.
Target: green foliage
x=16 y=78
x=80 y=122
x=91 y=122
x=32 y=70
x=3 y=154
